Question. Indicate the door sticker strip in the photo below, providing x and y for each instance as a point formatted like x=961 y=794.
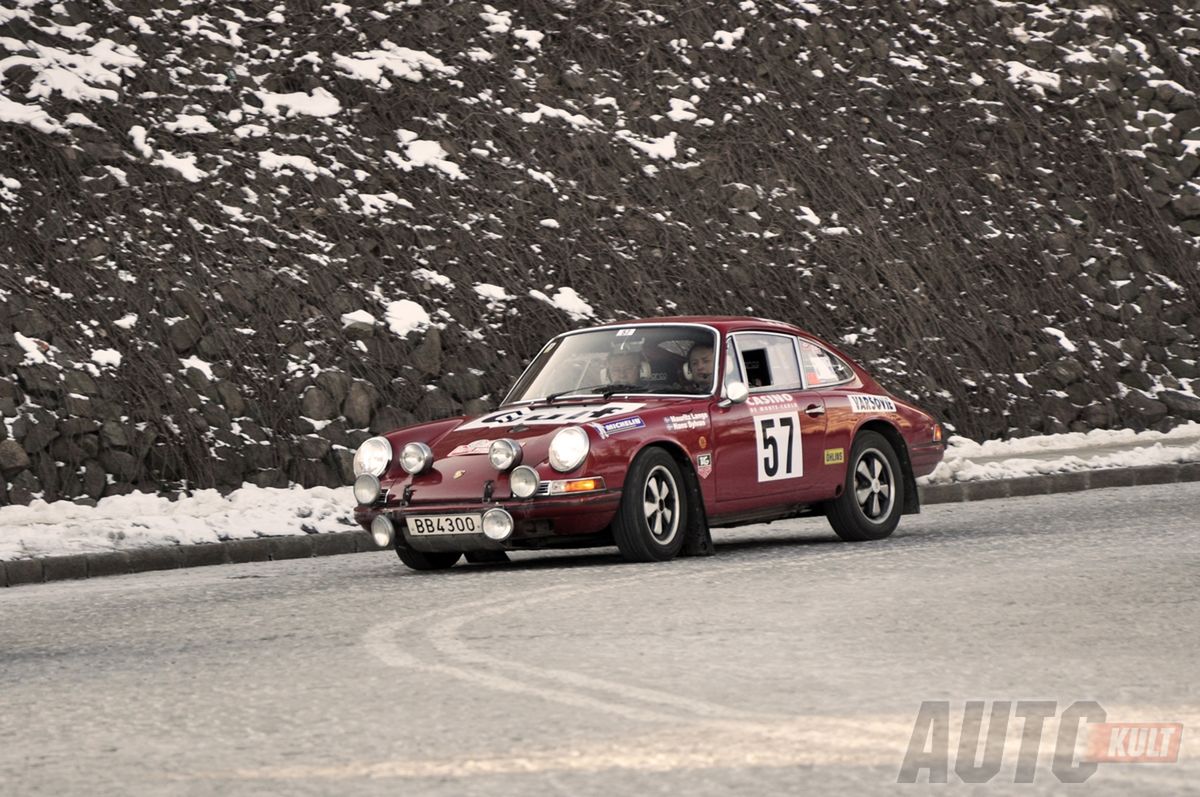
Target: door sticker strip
x=862 y=403
x=778 y=449
x=693 y=420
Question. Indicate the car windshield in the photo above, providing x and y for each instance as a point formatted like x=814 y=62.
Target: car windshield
x=654 y=358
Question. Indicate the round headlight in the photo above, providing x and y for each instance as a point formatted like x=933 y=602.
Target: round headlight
x=416 y=458
x=366 y=489
x=497 y=524
x=382 y=531
x=523 y=481
x=503 y=454
x=373 y=457
x=568 y=449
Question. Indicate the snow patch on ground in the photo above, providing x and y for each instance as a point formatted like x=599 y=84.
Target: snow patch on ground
x=319 y=103
x=567 y=300
x=139 y=520
x=406 y=316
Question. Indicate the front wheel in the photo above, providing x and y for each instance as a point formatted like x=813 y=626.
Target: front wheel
x=423 y=560
x=652 y=520
x=873 y=495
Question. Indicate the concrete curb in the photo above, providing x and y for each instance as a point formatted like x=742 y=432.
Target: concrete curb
x=140 y=560
x=1059 y=483
x=263 y=549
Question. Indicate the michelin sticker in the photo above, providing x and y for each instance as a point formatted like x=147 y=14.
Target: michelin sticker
x=861 y=403
x=623 y=425
x=693 y=420
x=552 y=416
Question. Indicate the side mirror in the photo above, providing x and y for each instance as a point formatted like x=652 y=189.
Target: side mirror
x=735 y=393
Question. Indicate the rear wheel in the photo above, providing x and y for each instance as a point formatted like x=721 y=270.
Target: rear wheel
x=426 y=560
x=652 y=520
x=873 y=496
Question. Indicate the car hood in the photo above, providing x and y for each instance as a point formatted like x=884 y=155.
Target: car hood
x=461 y=469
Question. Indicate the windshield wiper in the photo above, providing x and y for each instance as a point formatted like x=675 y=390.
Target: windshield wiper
x=612 y=390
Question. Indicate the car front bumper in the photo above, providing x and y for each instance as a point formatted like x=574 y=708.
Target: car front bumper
x=544 y=522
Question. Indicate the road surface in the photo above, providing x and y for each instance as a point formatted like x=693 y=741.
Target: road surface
x=789 y=662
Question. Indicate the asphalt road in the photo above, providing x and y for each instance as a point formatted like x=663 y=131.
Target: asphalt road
x=787 y=663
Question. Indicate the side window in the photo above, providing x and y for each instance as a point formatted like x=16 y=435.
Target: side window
x=822 y=368
x=768 y=360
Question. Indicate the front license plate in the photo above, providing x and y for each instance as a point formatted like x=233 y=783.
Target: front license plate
x=424 y=525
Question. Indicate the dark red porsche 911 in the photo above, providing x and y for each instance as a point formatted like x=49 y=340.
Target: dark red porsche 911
x=645 y=435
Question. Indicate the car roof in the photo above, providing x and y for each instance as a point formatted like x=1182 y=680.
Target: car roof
x=722 y=323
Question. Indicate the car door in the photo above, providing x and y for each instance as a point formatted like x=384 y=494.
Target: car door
x=833 y=381
x=767 y=449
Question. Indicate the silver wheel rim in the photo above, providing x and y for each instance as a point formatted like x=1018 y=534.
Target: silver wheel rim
x=874 y=486
x=660 y=504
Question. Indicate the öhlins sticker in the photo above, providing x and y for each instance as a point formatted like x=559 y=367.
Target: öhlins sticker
x=835 y=456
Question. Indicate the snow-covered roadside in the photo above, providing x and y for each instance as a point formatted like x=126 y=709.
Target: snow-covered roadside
x=967 y=460
x=137 y=520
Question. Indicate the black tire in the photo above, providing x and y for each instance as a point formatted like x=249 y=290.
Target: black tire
x=872 y=498
x=651 y=522
x=424 y=560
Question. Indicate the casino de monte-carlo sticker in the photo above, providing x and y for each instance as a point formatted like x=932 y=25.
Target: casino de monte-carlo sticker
x=542 y=416
x=771 y=401
x=861 y=403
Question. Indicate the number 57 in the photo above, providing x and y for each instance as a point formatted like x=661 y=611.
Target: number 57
x=776 y=447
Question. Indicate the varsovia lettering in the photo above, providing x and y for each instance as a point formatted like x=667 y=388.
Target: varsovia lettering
x=541 y=416
x=865 y=403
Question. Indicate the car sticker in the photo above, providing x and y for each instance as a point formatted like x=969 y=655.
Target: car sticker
x=835 y=456
x=473 y=447
x=704 y=465
x=778 y=450
x=552 y=416
x=623 y=425
x=692 y=420
x=770 y=401
x=860 y=403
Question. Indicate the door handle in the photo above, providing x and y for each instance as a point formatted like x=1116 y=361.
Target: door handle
x=814 y=410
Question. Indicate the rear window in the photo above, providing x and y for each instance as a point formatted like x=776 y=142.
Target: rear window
x=822 y=368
